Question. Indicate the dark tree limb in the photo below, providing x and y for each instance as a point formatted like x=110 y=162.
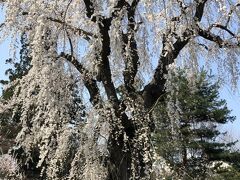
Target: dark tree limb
x=118 y=8
x=89 y=8
x=170 y=51
x=199 y=10
x=221 y=27
x=120 y=160
x=130 y=52
x=217 y=39
x=88 y=80
x=103 y=60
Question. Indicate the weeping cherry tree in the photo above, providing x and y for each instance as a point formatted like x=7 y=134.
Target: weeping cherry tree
x=114 y=55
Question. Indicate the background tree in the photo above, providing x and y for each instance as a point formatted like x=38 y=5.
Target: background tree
x=123 y=41
x=188 y=119
x=9 y=124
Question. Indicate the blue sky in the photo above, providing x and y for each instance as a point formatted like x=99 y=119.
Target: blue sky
x=4 y=54
x=233 y=102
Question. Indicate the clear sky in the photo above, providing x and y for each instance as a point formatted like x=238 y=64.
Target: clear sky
x=233 y=102
x=4 y=54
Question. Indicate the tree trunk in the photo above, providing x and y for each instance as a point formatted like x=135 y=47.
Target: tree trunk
x=120 y=162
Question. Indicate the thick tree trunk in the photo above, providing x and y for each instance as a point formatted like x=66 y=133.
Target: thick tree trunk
x=184 y=157
x=120 y=162
x=126 y=157
x=122 y=165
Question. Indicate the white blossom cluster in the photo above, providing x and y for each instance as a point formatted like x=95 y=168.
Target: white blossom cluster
x=46 y=99
x=9 y=167
x=161 y=169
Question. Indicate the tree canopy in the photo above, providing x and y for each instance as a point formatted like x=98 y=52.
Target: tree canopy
x=115 y=55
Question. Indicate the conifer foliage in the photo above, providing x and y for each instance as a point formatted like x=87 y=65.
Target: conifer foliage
x=188 y=133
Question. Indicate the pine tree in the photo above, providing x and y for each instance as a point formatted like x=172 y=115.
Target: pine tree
x=187 y=135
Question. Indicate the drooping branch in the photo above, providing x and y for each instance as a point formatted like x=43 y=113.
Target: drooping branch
x=88 y=80
x=86 y=35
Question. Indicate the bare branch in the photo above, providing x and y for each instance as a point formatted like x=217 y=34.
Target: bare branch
x=215 y=38
x=221 y=27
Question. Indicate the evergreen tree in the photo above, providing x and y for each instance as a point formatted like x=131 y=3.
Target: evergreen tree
x=187 y=134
